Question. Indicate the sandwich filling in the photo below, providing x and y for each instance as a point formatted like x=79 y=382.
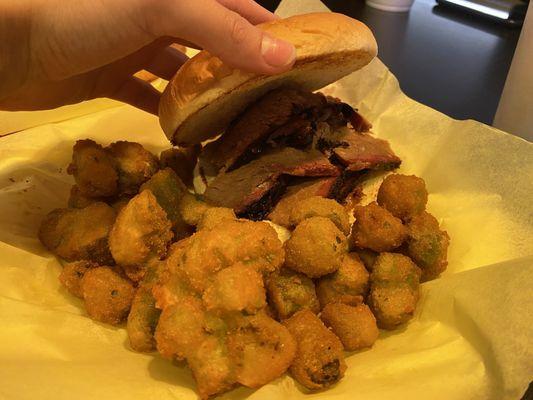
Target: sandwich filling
x=286 y=137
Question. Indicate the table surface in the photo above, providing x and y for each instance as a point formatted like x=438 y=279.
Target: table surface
x=450 y=61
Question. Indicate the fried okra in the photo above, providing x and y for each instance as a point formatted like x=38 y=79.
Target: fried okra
x=394 y=289
x=192 y=208
x=144 y=315
x=212 y=366
x=142 y=231
x=142 y=320
x=354 y=325
x=186 y=332
x=427 y=245
x=72 y=274
x=172 y=283
x=319 y=360
x=168 y=189
x=182 y=161
x=289 y=292
x=208 y=251
x=236 y=288
x=94 y=169
x=135 y=165
x=79 y=234
x=368 y=257
x=377 y=229
x=261 y=348
x=215 y=216
x=404 y=196
x=294 y=195
x=107 y=295
x=180 y=328
x=78 y=200
x=348 y=283
x=315 y=247
x=119 y=204
x=317 y=206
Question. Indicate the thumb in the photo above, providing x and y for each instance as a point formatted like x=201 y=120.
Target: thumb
x=229 y=36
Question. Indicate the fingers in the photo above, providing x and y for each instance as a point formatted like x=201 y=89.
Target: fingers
x=250 y=10
x=226 y=34
x=137 y=93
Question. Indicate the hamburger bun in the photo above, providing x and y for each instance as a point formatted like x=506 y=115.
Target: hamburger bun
x=205 y=95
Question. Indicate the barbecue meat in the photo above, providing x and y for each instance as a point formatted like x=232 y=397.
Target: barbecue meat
x=241 y=188
x=359 y=152
x=286 y=117
x=290 y=132
x=272 y=111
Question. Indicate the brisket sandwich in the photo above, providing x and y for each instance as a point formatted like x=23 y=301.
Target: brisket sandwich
x=273 y=137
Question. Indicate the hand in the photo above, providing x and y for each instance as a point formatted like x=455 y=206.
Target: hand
x=57 y=52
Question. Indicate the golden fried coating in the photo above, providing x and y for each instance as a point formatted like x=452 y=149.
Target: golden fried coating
x=141 y=231
x=319 y=360
x=107 y=295
x=93 y=169
x=294 y=195
x=119 y=204
x=143 y=316
x=354 y=325
x=427 y=245
x=238 y=287
x=215 y=216
x=212 y=367
x=315 y=247
x=208 y=251
x=394 y=289
x=135 y=165
x=168 y=189
x=180 y=328
x=72 y=274
x=403 y=195
x=261 y=348
x=79 y=234
x=192 y=208
x=368 y=257
x=317 y=206
x=78 y=200
x=182 y=160
x=289 y=292
x=142 y=320
x=377 y=229
x=348 y=283
x=172 y=283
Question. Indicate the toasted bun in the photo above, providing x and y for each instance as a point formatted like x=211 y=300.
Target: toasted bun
x=205 y=94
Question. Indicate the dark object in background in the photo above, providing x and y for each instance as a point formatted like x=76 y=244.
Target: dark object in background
x=509 y=12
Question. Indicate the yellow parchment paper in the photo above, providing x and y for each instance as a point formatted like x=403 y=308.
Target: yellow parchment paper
x=472 y=335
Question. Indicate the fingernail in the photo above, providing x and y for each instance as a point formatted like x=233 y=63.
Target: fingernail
x=277 y=53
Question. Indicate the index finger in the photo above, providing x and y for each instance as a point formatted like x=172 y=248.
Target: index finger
x=250 y=10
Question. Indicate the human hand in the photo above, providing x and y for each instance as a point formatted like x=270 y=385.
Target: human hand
x=56 y=52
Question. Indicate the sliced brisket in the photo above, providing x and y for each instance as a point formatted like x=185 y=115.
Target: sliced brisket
x=284 y=117
x=362 y=152
x=272 y=111
x=290 y=132
x=243 y=187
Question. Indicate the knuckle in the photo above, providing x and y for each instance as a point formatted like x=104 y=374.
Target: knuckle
x=238 y=29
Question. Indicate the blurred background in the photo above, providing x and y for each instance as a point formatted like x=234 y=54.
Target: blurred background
x=455 y=55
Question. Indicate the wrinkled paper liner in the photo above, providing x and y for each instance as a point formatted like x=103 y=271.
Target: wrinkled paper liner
x=471 y=337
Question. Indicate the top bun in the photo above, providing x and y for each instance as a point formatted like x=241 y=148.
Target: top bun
x=205 y=95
